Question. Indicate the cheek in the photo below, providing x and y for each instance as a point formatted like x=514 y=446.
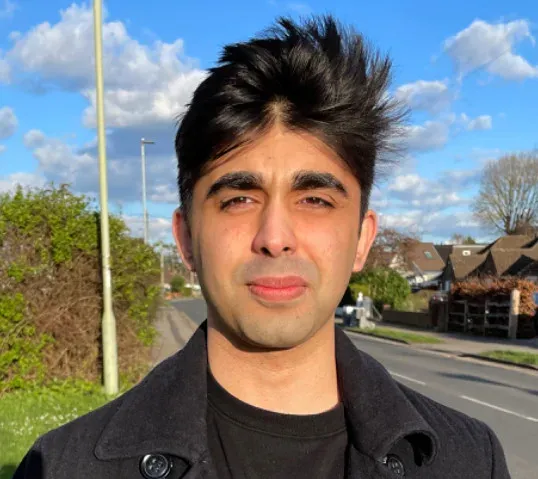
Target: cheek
x=221 y=245
x=333 y=248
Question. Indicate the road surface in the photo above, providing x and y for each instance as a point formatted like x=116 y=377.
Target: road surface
x=505 y=399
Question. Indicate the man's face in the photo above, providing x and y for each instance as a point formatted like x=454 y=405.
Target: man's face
x=274 y=237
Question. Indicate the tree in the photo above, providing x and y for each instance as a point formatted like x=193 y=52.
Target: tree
x=177 y=283
x=461 y=239
x=383 y=285
x=508 y=198
x=388 y=244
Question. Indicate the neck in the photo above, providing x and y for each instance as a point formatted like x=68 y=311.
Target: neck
x=301 y=380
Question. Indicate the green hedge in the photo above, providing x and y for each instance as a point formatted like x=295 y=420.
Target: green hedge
x=50 y=289
x=383 y=285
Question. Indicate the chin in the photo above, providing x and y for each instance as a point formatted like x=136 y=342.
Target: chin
x=284 y=332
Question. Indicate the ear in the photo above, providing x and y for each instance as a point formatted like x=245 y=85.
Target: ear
x=182 y=235
x=366 y=240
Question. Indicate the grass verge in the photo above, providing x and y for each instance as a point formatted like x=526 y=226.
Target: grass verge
x=25 y=415
x=399 y=335
x=517 y=357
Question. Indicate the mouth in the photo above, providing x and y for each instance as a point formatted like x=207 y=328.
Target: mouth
x=278 y=289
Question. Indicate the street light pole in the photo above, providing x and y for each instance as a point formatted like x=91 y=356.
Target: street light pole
x=110 y=348
x=143 y=144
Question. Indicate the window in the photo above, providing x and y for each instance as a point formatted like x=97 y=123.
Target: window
x=428 y=255
x=466 y=252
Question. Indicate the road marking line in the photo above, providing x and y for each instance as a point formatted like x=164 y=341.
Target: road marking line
x=408 y=378
x=492 y=406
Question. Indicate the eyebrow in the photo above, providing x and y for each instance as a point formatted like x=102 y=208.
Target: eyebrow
x=303 y=180
x=236 y=180
x=316 y=180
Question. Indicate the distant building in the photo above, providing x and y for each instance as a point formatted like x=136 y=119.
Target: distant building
x=514 y=255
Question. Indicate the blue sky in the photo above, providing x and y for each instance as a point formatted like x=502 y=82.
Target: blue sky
x=468 y=70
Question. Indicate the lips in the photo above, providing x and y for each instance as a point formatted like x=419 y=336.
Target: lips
x=279 y=282
x=278 y=289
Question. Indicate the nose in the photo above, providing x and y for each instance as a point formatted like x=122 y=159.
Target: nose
x=275 y=235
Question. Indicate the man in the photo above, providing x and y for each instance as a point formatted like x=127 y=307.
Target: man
x=277 y=155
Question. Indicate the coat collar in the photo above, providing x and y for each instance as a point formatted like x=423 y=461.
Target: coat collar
x=379 y=413
x=166 y=412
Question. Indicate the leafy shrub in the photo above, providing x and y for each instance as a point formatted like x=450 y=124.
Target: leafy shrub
x=177 y=283
x=51 y=289
x=383 y=285
x=185 y=291
x=493 y=288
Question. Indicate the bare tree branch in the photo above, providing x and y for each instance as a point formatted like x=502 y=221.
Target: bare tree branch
x=508 y=198
x=390 y=243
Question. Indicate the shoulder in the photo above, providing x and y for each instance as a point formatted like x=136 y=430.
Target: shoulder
x=76 y=436
x=73 y=441
x=446 y=420
x=460 y=436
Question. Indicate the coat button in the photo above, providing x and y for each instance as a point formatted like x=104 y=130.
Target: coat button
x=155 y=466
x=395 y=465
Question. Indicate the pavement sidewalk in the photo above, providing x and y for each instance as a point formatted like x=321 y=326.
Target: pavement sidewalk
x=459 y=343
x=174 y=329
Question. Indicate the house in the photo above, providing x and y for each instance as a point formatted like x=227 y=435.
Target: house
x=445 y=250
x=514 y=255
x=423 y=267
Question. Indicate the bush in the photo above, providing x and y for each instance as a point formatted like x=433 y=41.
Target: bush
x=51 y=289
x=357 y=288
x=383 y=285
x=187 y=292
x=177 y=283
x=418 y=302
x=492 y=288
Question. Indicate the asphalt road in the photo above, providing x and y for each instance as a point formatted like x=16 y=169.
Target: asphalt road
x=505 y=399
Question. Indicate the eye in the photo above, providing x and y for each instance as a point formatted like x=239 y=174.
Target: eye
x=318 y=202
x=238 y=200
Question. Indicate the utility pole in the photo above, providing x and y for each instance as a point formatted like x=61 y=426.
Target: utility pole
x=143 y=143
x=110 y=347
x=162 y=269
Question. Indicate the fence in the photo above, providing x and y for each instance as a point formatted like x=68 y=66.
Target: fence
x=484 y=317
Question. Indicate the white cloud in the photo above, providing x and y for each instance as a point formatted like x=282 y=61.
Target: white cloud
x=5 y=70
x=143 y=84
x=33 y=139
x=8 y=184
x=412 y=190
x=491 y=46
x=8 y=122
x=436 y=224
x=7 y=8
x=60 y=162
x=140 y=106
x=483 y=122
x=2 y=148
x=406 y=183
x=430 y=136
x=159 y=228
x=460 y=179
x=407 y=220
x=431 y=96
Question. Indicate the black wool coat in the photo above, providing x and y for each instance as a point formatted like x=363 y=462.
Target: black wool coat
x=158 y=429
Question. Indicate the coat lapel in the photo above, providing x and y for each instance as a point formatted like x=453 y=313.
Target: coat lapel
x=166 y=414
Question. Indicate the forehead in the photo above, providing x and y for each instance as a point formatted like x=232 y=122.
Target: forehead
x=279 y=153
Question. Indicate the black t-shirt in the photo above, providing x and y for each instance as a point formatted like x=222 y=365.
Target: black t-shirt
x=249 y=443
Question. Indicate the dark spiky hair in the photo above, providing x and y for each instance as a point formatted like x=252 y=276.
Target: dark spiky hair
x=317 y=77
